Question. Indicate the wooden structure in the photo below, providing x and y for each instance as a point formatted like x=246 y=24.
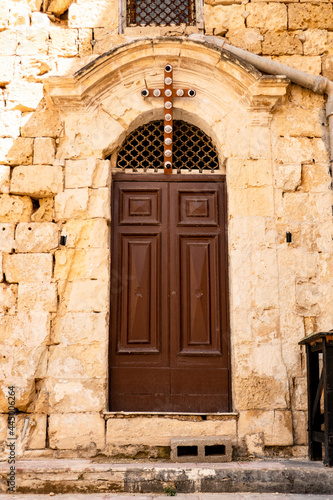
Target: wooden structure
x=319 y=354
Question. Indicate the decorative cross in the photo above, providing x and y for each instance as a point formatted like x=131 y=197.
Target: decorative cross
x=168 y=93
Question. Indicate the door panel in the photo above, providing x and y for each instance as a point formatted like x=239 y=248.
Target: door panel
x=169 y=308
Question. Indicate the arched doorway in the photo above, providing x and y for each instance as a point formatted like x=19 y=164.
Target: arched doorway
x=169 y=295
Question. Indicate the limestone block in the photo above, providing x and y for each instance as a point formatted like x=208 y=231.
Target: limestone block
x=300 y=149
x=326 y=267
x=300 y=424
x=105 y=40
x=21 y=151
x=310 y=15
x=78 y=362
x=5 y=146
x=327 y=67
x=159 y=431
x=66 y=394
x=74 y=431
x=308 y=298
x=7 y=237
x=220 y=18
x=33 y=67
x=37 y=296
x=85 y=39
x=315 y=178
x=288 y=177
x=298 y=121
x=32 y=41
x=4 y=15
x=28 y=268
x=315 y=42
x=87 y=173
x=248 y=173
x=63 y=42
x=4 y=179
x=260 y=392
x=297 y=262
x=81 y=263
x=255 y=444
x=40 y=20
x=19 y=14
x=85 y=295
x=24 y=388
x=309 y=64
x=99 y=203
x=81 y=329
x=8 y=297
x=248 y=39
x=10 y=123
x=281 y=43
x=15 y=208
x=8 y=42
x=306 y=206
x=36 y=237
x=6 y=69
x=24 y=96
x=37 y=181
x=44 y=123
x=27 y=329
x=275 y=425
x=3 y=427
x=58 y=7
x=37 y=432
x=251 y=202
x=1 y=266
x=93 y=233
x=300 y=393
x=93 y=14
x=44 y=150
x=269 y=16
x=45 y=212
x=71 y=204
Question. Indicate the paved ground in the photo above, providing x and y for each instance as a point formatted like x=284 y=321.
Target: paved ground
x=200 y=496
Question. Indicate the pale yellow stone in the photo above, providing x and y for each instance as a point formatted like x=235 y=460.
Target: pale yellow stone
x=248 y=173
x=306 y=206
x=308 y=122
x=3 y=427
x=251 y=202
x=327 y=66
x=309 y=15
x=7 y=231
x=288 y=177
x=19 y=14
x=300 y=424
x=28 y=268
x=26 y=329
x=85 y=39
x=45 y=212
x=326 y=267
x=87 y=173
x=58 y=7
x=275 y=425
x=281 y=43
x=44 y=150
x=63 y=42
x=99 y=203
x=81 y=263
x=4 y=179
x=37 y=432
x=220 y=18
x=300 y=149
x=248 y=39
x=21 y=151
x=24 y=96
x=4 y=14
x=73 y=431
x=255 y=444
x=8 y=42
x=40 y=20
x=93 y=233
x=269 y=16
x=315 y=178
x=300 y=393
x=37 y=181
x=44 y=123
x=10 y=123
x=315 y=42
x=36 y=237
x=32 y=41
x=158 y=431
x=37 y=296
x=24 y=387
x=85 y=295
x=67 y=394
x=81 y=329
x=104 y=39
x=5 y=146
x=71 y=204
x=308 y=298
x=6 y=69
x=35 y=66
x=15 y=208
x=309 y=64
x=8 y=298
x=297 y=262
x=78 y=362
x=93 y=14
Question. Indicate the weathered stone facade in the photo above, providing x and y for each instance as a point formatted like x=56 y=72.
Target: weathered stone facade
x=55 y=180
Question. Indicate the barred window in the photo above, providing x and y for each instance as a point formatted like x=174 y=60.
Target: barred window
x=160 y=12
x=143 y=149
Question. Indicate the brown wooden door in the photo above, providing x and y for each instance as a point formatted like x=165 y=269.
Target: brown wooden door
x=169 y=301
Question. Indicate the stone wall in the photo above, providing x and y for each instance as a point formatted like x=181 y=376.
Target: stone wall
x=54 y=180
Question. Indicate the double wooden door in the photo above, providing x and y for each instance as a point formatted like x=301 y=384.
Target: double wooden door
x=169 y=301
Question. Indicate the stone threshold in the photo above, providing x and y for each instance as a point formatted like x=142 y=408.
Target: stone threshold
x=204 y=416
x=86 y=476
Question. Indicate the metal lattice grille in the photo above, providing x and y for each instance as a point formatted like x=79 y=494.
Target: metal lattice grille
x=160 y=12
x=144 y=149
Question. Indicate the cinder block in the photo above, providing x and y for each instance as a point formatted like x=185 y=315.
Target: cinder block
x=201 y=449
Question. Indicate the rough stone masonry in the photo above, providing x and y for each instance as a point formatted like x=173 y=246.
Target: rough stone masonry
x=55 y=180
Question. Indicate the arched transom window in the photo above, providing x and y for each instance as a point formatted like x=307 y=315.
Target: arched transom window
x=143 y=149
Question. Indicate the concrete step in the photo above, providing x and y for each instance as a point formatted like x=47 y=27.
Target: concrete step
x=86 y=476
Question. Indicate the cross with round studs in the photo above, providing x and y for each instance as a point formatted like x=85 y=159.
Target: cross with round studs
x=168 y=93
